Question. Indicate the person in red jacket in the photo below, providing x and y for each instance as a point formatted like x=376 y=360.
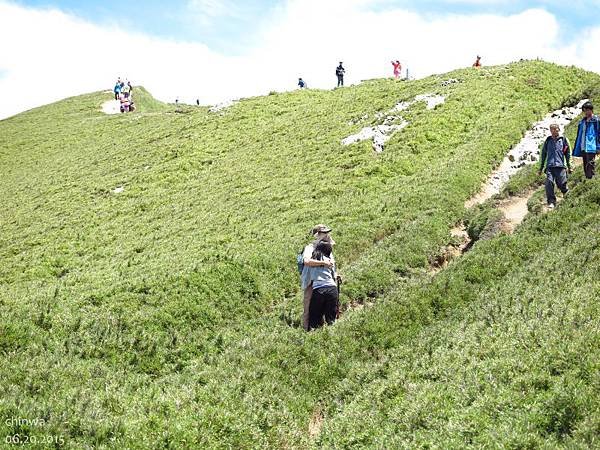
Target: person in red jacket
x=477 y=63
x=397 y=68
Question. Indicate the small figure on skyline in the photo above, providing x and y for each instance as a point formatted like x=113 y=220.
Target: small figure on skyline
x=477 y=63
x=117 y=89
x=397 y=68
x=126 y=89
x=340 y=72
x=302 y=84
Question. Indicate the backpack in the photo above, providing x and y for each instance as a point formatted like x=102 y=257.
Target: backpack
x=300 y=261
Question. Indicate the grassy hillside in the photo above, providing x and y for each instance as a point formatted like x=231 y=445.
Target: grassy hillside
x=160 y=315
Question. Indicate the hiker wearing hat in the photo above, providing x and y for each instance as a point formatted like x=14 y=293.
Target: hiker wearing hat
x=588 y=140
x=320 y=232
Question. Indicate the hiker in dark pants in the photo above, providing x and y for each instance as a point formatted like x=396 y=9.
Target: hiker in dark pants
x=320 y=232
x=340 y=71
x=556 y=161
x=588 y=140
x=324 y=301
x=117 y=90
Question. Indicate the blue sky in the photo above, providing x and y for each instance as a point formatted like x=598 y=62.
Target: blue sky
x=223 y=25
x=229 y=25
x=216 y=50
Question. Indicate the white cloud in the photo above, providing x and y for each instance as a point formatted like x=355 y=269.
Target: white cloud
x=204 y=11
x=53 y=55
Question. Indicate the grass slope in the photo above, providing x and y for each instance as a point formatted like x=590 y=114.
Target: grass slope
x=158 y=317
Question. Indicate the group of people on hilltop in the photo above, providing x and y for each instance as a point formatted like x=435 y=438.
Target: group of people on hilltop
x=124 y=93
x=555 y=160
x=340 y=71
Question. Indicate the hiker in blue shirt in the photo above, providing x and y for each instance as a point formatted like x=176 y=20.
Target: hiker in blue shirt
x=302 y=83
x=556 y=161
x=117 y=89
x=588 y=140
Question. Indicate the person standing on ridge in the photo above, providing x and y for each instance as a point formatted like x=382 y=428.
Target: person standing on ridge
x=302 y=84
x=320 y=232
x=588 y=140
x=340 y=72
x=126 y=89
x=117 y=89
x=477 y=63
x=556 y=161
x=397 y=69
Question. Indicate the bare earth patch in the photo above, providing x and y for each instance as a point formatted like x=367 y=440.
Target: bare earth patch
x=514 y=210
x=316 y=422
x=111 y=107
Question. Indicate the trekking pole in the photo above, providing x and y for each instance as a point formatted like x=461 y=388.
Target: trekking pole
x=337 y=306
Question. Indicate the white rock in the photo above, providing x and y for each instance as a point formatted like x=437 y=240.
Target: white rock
x=432 y=100
x=380 y=134
x=221 y=106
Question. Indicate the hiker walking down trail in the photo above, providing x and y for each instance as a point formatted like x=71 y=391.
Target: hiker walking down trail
x=340 y=72
x=324 y=301
x=306 y=261
x=477 y=63
x=397 y=69
x=302 y=84
x=556 y=161
x=588 y=140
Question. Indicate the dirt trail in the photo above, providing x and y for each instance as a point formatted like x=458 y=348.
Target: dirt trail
x=514 y=210
x=316 y=422
x=526 y=152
